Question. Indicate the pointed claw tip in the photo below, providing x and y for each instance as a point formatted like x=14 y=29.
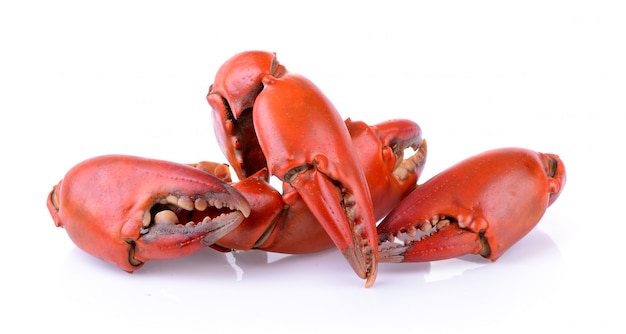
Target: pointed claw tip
x=241 y=203
x=371 y=277
x=362 y=265
x=245 y=209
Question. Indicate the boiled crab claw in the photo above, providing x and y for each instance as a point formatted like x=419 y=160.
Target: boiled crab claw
x=265 y=117
x=483 y=205
x=380 y=149
x=128 y=210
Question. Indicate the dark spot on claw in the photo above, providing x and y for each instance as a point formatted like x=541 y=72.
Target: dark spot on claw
x=293 y=173
x=553 y=165
x=486 y=250
x=131 y=253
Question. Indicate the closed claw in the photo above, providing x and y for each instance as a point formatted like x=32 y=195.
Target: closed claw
x=267 y=117
x=127 y=210
x=308 y=146
x=483 y=205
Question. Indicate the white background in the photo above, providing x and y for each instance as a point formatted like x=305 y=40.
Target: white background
x=81 y=79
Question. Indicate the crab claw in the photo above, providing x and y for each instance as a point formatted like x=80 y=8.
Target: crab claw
x=127 y=210
x=268 y=118
x=231 y=96
x=381 y=149
x=483 y=205
x=307 y=145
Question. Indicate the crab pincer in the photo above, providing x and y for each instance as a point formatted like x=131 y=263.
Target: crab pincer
x=267 y=117
x=482 y=205
x=127 y=210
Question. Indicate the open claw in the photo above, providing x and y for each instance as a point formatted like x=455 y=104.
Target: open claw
x=483 y=205
x=381 y=150
x=439 y=238
x=127 y=210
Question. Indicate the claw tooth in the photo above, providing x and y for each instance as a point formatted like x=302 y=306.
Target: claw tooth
x=426 y=226
x=218 y=205
x=405 y=168
x=349 y=206
x=186 y=203
x=399 y=235
x=166 y=217
x=443 y=223
x=412 y=231
x=351 y=213
x=368 y=250
x=200 y=204
x=171 y=199
x=146 y=220
x=348 y=199
x=358 y=229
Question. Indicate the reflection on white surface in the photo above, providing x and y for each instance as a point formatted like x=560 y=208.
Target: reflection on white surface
x=444 y=270
x=312 y=290
x=537 y=250
x=317 y=290
x=232 y=260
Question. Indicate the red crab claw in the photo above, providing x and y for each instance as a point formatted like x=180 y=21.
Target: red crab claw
x=380 y=150
x=128 y=210
x=231 y=96
x=294 y=130
x=483 y=205
x=307 y=145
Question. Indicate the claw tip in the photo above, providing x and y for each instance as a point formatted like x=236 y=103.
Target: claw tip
x=369 y=281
